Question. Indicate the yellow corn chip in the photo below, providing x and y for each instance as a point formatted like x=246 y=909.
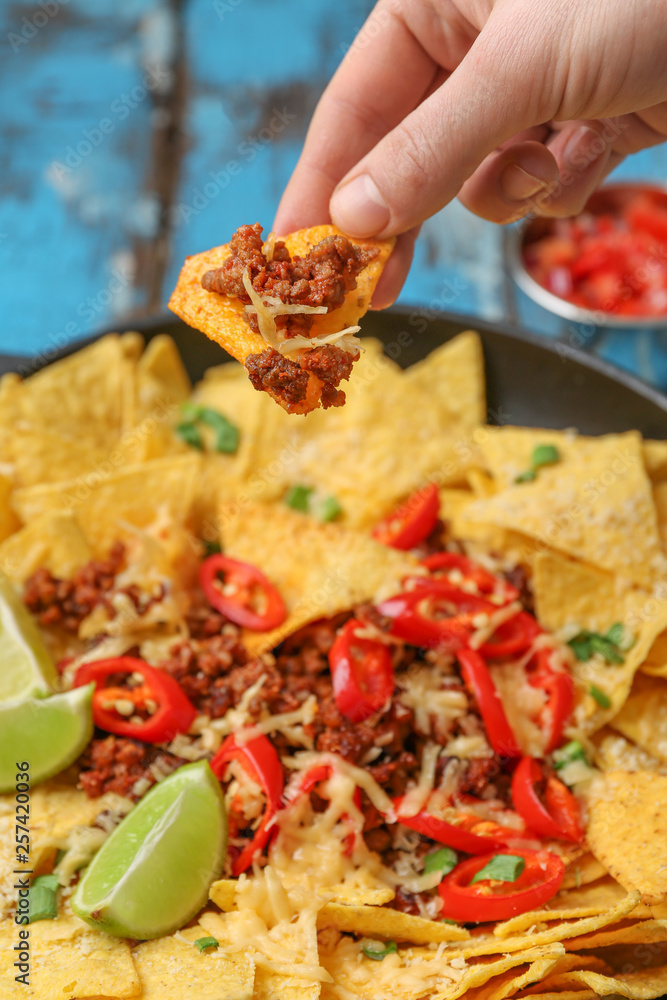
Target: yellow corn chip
x=8 y=519
x=568 y=593
x=52 y=540
x=660 y=500
x=655 y=663
x=583 y=871
x=614 y=753
x=171 y=968
x=643 y=717
x=627 y=830
x=655 y=459
x=138 y=495
x=222 y=317
x=319 y=569
x=383 y=922
x=523 y=977
x=643 y=984
x=624 y=932
x=595 y=503
x=67 y=959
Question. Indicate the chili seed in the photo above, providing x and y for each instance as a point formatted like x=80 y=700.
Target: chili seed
x=124 y=706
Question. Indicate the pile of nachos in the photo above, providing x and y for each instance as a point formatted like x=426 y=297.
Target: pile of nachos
x=420 y=660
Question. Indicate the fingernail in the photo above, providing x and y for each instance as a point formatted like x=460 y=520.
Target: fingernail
x=517 y=184
x=584 y=146
x=358 y=208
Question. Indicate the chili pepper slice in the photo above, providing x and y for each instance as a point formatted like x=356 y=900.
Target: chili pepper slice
x=246 y=596
x=259 y=759
x=559 y=819
x=435 y=614
x=472 y=573
x=558 y=686
x=512 y=637
x=490 y=899
x=362 y=673
x=478 y=680
x=411 y=522
x=470 y=833
x=174 y=713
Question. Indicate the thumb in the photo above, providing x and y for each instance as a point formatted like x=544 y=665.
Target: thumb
x=421 y=164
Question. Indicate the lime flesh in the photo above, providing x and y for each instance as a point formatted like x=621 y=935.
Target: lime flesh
x=26 y=668
x=154 y=871
x=47 y=734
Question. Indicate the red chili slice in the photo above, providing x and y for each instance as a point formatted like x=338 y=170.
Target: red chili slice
x=473 y=572
x=560 y=818
x=411 y=522
x=245 y=595
x=470 y=834
x=512 y=637
x=435 y=614
x=174 y=712
x=495 y=900
x=478 y=680
x=558 y=687
x=259 y=759
x=362 y=673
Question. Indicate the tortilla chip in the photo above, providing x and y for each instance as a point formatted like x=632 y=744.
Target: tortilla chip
x=383 y=922
x=595 y=503
x=222 y=317
x=655 y=663
x=68 y=959
x=568 y=593
x=583 y=871
x=523 y=977
x=627 y=830
x=660 y=500
x=655 y=460
x=69 y=414
x=452 y=379
x=9 y=522
x=643 y=717
x=171 y=968
x=138 y=495
x=645 y=984
x=319 y=569
x=625 y=932
x=52 y=540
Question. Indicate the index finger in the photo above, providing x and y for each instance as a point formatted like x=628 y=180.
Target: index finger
x=383 y=77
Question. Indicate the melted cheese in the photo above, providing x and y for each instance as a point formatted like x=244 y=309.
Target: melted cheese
x=342 y=338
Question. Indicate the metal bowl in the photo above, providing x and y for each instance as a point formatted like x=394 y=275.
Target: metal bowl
x=609 y=198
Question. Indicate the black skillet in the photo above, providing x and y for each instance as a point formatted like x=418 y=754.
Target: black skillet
x=530 y=381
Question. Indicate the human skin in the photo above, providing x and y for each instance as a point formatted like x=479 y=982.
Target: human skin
x=516 y=106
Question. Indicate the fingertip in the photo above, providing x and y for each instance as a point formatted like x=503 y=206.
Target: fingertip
x=505 y=184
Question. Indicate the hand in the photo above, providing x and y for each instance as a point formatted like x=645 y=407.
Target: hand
x=517 y=106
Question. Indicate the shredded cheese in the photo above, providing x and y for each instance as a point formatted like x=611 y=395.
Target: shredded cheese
x=416 y=798
x=343 y=339
x=492 y=622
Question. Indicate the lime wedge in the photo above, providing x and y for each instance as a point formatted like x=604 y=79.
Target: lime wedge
x=45 y=733
x=154 y=872
x=26 y=668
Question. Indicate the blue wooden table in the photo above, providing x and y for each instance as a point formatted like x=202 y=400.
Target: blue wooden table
x=135 y=132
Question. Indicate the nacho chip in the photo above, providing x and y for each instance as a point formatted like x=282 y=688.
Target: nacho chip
x=137 y=495
x=570 y=594
x=643 y=717
x=222 y=317
x=627 y=830
x=614 y=753
x=523 y=977
x=660 y=500
x=171 y=968
x=583 y=871
x=644 y=984
x=53 y=540
x=655 y=460
x=655 y=663
x=383 y=922
x=594 y=503
x=68 y=959
x=319 y=569
x=624 y=932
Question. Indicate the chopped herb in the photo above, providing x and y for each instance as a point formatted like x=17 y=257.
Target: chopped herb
x=378 y=954
x=568 y=753
x=226 y=434
x=329 y=509
x=207 y=942
x=446 y=920
x=443 y=861
x=298 y=498
x=42 y=898
x=189 y=433
x=609 y=646
x=602 y=699
x=212 y=548
x=501 y=868
x=543 y=454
